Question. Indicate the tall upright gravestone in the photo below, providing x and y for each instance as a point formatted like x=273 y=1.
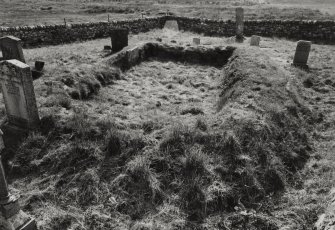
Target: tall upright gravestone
x=119 y=39
x=302 y=53
x=239 y=24
x=11 y=48
x=18 y=92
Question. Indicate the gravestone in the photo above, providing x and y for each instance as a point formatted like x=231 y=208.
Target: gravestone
x=255 y=40
x=171 y=25
x=119 y=38
x=37 y=72
x=196 y=41
x=39 y=65
x=239 y=24
x=18 y=92
x=2 y=144
x=302 y=53
x=11 y=48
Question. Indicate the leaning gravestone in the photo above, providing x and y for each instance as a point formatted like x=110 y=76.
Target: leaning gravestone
x=302 y=53
x=11 y=48
x=255 y=40
x=119 y=39
x=196 y=41
x=239 y=24
x=18 y=92
x=171 y=25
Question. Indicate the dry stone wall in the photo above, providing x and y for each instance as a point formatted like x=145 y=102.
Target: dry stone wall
x=316 y=31
x=57 y=34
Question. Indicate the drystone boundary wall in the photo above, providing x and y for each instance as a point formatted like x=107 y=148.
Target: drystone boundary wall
x=32 y=36
x=316 y=31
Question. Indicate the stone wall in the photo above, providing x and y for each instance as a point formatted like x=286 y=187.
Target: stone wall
x=58 y=34
x=316 y=31
x=214 y=56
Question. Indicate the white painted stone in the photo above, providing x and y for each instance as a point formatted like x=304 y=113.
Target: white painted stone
x=196 y=41
x=171 y=25
x=255 y=40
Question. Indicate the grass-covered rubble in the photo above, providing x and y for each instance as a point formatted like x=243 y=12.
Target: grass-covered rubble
x=218 y=166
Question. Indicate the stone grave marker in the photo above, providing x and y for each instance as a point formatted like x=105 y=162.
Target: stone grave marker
x=18 y=92
x=2 y=144
x=255 y=40
x=171 y=25
x=239 y=24
x=196 y=41
x=11 y=48
x=39 y=65
x=37 y=71
x=119 y=38
x=302 y=53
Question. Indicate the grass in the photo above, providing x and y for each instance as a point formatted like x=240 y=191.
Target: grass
x=54 y=12
x=116 y=160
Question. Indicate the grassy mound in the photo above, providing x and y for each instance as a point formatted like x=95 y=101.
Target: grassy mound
x=225 y=171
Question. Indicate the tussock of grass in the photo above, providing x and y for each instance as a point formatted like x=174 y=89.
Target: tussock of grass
x=61 y=100
x=142 y=187
x=193 y=111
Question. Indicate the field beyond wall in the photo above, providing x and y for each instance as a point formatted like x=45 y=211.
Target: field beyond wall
x=32 y=12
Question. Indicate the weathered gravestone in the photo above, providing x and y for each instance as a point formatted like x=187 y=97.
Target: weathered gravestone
x=239 y=24
x=18 y=92
x=119 y=39
x=2 y=144
x=171 y=25
x=302 y=53
x=196 y=41
x=11 y=48
x=255 y=40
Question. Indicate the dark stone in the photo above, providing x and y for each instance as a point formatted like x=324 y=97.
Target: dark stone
x=36 y=74
x=119 y=38
x=39 y=65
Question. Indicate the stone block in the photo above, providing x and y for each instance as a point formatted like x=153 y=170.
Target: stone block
x=11 y=48
x=196 y=41
x=119 y=38
x=239 y=24
x=255 y=40
x=302 y=53
x=171 y=25
x=39 y=65
x=18 y=92
x=10 y=207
